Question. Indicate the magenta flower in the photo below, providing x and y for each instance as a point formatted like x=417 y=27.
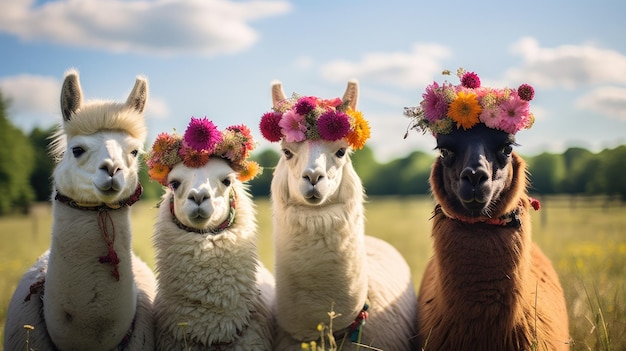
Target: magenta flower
x=526 y=92
x=293 y=126
x=269 y=126
x=470 y=80
x=434 y=104
x=514 y=114
x=201 y=134
x=333 y=125
x=305 y=105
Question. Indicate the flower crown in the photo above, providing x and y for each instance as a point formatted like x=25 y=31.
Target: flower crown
x=468 y=104
x=201 y=141
x=311 y=118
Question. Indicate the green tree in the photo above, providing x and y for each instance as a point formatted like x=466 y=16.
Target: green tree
x=40 y=178
x=547 y=172
x=16 y=165
x=260 y=186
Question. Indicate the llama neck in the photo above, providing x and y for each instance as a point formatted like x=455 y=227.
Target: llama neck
x=320 y=264
x=89 y=304
x=481 y=269
x=207 y=275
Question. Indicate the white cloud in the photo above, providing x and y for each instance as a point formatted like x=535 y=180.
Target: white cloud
x=568 y=66
x=159 y=27
x=402 y=69
x=610 y=101
x=156 y=108
x=32 y=94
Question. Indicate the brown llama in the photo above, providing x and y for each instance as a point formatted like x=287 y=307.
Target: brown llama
x=487 y=286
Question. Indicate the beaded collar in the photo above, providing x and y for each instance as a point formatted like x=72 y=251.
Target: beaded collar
x=511 y=219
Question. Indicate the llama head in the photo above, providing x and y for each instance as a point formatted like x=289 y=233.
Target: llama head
x=203 y=169
x=202 y=198
x=477 y=174
x=317 y=137
x=98 y=144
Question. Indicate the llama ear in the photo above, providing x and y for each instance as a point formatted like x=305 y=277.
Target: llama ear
x=352 y=93
x=71 y=94
x=139 y=96
x=278 y=95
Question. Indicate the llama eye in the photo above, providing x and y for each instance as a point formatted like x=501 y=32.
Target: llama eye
x=445 y=153
x=507 y=149
x=174 y=184
x=226 y=181
x=77 y=151
x=288 y=154
x=340 y=153
x=134 y=153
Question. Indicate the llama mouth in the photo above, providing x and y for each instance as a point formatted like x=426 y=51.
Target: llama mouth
x=313 y=196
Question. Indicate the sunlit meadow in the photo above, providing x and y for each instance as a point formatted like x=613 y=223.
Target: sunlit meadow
x=585 y=238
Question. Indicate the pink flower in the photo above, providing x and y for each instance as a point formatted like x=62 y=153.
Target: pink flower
x=434 y=104
x=201 y=135
x=491 y=117
x=333 y=125
x=293 y=126
x=305 y=105
x=470 y=80
x=514 y=114
x=270 y=128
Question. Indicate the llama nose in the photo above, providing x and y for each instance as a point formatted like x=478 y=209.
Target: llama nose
x=474 y=176
x=110 y=167
x=312 y=176
x=198 y=196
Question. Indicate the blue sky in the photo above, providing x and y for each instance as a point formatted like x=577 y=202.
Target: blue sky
x=217 y=58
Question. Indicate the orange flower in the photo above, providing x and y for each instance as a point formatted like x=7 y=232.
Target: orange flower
x=464 y=110
x=360 y=131
x=249 y=170
x=194 y=158
x=158 y=172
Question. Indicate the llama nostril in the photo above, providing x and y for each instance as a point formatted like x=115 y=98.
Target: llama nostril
x=198 y=197
x=110 y=169
x=312 y=178
x=475 y=177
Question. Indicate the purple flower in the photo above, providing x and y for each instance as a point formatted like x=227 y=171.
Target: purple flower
x=333 y=125
x=526 y=92
x=293 y=126
x=434 y=104
x=305 y=105
x=470 y=80
x=270 y=128
x=201 y=134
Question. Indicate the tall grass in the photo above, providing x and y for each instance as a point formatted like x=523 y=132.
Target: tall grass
x=584 y=237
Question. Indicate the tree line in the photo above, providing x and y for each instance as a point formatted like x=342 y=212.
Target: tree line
x=26 y=169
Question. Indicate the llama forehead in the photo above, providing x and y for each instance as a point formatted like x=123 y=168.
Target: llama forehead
x=214 y=171
x=100 y=115
x=489 y=138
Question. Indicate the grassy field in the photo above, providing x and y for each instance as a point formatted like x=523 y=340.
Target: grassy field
x=584 y=237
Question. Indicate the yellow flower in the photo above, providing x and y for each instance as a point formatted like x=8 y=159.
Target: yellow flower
x=464 y=110
x=359 y=131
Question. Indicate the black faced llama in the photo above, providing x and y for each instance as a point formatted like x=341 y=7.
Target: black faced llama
x=487 y=286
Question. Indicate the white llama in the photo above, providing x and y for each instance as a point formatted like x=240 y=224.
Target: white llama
x=323 y=258
x=214 y=292
x=89 y=291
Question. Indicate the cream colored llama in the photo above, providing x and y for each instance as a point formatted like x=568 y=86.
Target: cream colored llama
x=214 y=292
x=487 y=286
x=324 y=261
x=89 y=291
